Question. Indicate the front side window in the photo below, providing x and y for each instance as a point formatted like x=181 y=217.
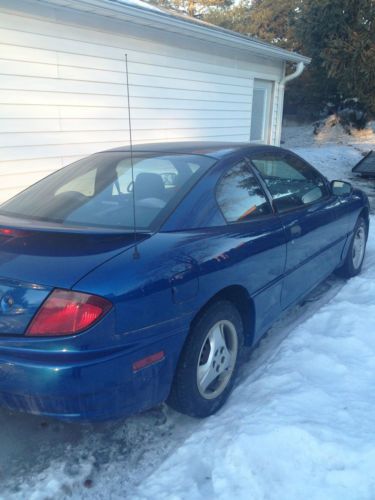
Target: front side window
x=98 y=190
x=240 y=196
x=291 y=182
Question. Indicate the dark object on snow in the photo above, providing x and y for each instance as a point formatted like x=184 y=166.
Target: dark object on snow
x=366 y=166
x=351 y=113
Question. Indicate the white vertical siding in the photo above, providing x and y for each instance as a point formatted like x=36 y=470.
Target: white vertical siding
x=63 y=95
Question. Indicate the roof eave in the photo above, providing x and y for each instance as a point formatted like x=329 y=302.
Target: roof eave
x=210 y=30
x=178 y=23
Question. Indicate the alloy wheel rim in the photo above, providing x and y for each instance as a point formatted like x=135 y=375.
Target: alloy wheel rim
x=359 y=244
x=217 y=359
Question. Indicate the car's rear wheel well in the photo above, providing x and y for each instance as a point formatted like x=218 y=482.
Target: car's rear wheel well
x=241 y=299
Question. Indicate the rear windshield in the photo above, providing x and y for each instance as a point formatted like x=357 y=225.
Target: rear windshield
x=98 y=190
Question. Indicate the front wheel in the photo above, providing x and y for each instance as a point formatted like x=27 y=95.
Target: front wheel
x=356 y=252
x=209 y=361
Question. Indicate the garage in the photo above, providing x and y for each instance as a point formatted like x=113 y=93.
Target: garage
x=63 y=90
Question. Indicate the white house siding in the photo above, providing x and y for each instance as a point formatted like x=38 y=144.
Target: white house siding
x=63 y=94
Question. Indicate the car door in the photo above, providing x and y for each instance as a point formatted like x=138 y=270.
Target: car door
x=255 y=236
x=303 y=200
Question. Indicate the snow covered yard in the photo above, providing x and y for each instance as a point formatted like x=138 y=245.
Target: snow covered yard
x=300 y=423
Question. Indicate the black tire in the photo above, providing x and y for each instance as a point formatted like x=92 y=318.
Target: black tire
x=187 y=394
x=350 y=267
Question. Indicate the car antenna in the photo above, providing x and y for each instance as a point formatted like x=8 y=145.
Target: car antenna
x=135 y=251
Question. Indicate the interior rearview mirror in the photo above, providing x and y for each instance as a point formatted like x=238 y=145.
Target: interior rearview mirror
x=341 y=188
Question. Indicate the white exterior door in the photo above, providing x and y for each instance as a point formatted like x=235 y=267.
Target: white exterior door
x=261 y=111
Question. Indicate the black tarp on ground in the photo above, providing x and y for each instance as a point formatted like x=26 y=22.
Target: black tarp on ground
x=366 y=166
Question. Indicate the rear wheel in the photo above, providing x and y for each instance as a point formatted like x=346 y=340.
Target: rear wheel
x=356 y=253
x=209 y=361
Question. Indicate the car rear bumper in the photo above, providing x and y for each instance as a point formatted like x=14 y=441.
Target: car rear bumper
x=87 y=385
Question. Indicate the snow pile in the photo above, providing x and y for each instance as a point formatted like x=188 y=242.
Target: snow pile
x=331 y=132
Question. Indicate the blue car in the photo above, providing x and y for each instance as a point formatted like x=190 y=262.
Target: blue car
x=133 y=277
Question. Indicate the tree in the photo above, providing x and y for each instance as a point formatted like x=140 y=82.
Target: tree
x=191 y=7
x=273 y=21
x=350 y=56
x=235 y=18
x=339 y=36
x=268 y=20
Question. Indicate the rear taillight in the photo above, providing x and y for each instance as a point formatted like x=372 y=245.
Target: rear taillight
x=7 y=232
x=67 y=313
x=4 y=231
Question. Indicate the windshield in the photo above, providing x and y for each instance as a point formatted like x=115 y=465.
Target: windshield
x=98 y=190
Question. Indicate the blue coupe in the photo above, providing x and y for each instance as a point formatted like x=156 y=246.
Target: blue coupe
x=137 y=276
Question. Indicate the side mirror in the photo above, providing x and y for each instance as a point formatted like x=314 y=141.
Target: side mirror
x=341 y=188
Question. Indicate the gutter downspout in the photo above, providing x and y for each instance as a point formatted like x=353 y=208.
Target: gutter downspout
x=298 y=72
x=287 y=78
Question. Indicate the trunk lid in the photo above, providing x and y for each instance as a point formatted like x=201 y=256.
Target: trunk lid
x=37 y=257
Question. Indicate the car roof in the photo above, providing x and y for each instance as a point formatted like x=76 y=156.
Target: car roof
x=216 y=150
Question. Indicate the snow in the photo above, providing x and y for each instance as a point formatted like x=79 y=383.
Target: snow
x=331 y=133
x=299 y=424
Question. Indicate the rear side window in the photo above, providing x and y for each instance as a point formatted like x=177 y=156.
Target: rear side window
x=240 y=196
